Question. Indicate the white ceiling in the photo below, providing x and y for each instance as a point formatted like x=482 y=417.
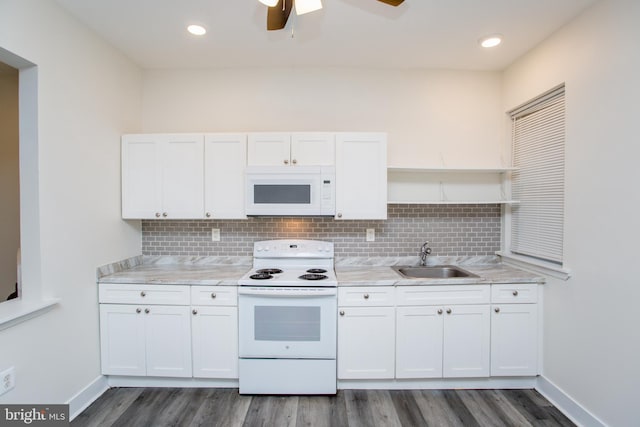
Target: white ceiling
x=352 y=33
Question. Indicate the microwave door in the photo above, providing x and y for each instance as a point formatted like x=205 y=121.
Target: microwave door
x=273 y=196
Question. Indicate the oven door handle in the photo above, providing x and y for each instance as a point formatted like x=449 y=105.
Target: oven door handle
x=287 y=292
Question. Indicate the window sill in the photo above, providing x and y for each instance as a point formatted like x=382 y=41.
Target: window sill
x=539 y=267
x=19 y=310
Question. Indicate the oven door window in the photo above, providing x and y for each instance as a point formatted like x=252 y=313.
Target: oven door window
x=282 y=194
x=286 y=323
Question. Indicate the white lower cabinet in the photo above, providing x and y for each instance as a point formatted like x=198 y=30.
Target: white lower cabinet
x=145 y=340
x=442 y=341
x=140 y=337
x=514 y=330
x=214 y=340
x=366 y=333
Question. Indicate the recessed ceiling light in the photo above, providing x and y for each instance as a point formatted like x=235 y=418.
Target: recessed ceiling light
x=197 y=30
x=491 y=41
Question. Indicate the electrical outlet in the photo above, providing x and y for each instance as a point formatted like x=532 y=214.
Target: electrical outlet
x=215 y=234
x=7 y=380
x=371 y=235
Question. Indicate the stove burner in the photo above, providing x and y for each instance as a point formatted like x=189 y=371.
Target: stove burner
x=316 y=270
x=261 y=276
x=269 y=271
x=312 y=277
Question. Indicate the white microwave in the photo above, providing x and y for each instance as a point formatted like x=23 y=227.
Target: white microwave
x=290 y=191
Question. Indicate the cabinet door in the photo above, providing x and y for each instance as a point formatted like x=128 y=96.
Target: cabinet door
x=215 y=342
x=225 y=157
x=466 y=341
x=183 y=176
x=313 y=149
x=514 y=340
x=122 y=346
x=141 y=176
x=168 y=341
x=366 y=342
x=268 y=149
x=361 y=176
x=419 y=342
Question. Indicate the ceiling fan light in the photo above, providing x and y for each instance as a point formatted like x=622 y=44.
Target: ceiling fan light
x=269 y=3
x=306 y=6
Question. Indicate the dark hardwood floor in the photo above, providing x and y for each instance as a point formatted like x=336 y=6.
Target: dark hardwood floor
x=159 y=407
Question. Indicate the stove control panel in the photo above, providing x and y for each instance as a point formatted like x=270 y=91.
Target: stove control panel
x=293 y=249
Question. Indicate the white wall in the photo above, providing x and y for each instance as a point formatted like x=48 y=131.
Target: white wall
x=431 y=115
x=88 y=95
x=9 y=182
x=591 y=334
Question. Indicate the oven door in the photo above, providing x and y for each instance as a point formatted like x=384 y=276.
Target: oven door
x=289 y=323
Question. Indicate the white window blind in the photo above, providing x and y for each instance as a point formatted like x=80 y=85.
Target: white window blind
x=538 y=183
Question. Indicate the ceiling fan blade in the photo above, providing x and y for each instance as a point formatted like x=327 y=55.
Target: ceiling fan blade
x=392 y=2
x=277 y=15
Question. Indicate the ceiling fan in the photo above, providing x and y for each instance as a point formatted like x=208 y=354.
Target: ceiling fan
x=279 y=10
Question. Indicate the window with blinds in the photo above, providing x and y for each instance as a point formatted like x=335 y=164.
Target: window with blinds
x=538 y=135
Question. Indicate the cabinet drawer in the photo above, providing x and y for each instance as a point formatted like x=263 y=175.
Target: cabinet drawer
x=448 y=294
x=372 y=296
x=520 y=293
x=143 y=294
x=214 y=295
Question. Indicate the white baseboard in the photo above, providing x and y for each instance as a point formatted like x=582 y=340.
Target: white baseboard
x=561 y=400
x=87 y=396
x=439 y=383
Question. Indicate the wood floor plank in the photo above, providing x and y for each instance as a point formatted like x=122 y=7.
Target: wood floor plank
x=106 y=410
x=407 y=408
x=267 y=411
x=222 y=407
x=484 y=414
x=435 y=409
x=535 y=414
x=314 y=411
x=143 y=409
x=458 y=407
x=502 y=408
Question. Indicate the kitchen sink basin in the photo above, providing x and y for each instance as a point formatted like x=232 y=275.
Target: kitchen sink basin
x=433 y=272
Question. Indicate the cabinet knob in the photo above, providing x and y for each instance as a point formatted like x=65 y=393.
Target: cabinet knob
x=143 y=294
x=497 y=309
x=515 y=293
x=294 y=161
x=213 y=294
x=164 y=214
x=195 y=311
x=147 y=311
x=157 y=214
x=341 y=312
x=286 y=162
x=138 y=310
x=439 y=311
x=366 y=296
x=208 y=214
x=448 y=311
x=339 y=214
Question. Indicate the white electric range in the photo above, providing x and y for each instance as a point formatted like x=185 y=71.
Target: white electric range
x=287 y=319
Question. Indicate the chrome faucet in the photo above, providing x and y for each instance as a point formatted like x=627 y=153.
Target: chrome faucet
x=424 y=251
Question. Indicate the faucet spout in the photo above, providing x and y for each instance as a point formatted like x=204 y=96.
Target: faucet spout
x=425 y=250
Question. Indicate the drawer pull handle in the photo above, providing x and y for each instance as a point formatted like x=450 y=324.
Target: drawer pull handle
x=157 y=214
x=448 y=311
x=195 y=311
x=341 y=312
x=147 y=311
x=439 y=311
x=366 y=296
x=164 y=214
x=515 y=293
x=138 y=310
x=213 y=294
x=143 y=294
x=497 y=309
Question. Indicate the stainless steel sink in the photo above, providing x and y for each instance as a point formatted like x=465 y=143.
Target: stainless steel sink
x=433 y=272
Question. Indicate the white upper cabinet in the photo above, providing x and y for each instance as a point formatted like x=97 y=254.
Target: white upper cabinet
x=291 y=149
x=225 y=157
x=361 y=176
x=162 y=176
